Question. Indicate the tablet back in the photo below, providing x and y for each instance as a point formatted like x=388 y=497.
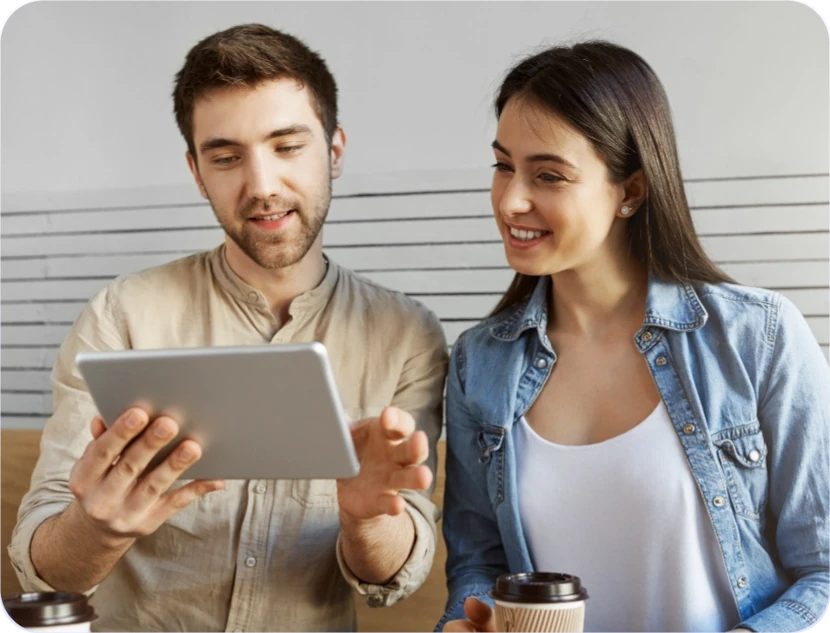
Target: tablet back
x=258 y=412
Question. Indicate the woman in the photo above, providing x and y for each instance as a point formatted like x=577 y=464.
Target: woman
x=629 y=414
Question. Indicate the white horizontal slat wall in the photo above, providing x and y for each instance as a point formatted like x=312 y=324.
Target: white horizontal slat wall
x=436 y=243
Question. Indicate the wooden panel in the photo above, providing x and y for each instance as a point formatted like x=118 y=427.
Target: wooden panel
x=794 y=274
x=19 y=450
x=753 y=191
x=425 y=207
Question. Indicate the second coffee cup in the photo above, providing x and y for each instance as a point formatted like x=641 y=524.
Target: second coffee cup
x=538 y=602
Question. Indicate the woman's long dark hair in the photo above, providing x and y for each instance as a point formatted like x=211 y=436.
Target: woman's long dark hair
x=613 y=97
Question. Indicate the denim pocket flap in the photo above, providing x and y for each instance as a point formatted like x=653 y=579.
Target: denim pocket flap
x=490 y=441
x=750 y=451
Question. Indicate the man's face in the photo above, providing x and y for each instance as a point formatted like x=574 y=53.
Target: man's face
x=266 y=168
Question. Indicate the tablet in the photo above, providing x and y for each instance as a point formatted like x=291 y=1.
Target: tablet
x=258 y=412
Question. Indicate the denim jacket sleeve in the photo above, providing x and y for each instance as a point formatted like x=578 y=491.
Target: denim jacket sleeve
x=475 y=554
x=794 y=412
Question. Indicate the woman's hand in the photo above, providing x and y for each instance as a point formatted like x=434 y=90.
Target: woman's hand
x=480 y=617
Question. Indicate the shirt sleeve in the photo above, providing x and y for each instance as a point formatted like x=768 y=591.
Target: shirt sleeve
x=795 y=417
x=419 y=391
x=65 y=436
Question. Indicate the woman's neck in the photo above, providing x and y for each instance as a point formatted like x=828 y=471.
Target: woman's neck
x=598 y=299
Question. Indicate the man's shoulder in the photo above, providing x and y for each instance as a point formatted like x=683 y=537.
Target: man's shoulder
x=163 y=278
x=381 y=302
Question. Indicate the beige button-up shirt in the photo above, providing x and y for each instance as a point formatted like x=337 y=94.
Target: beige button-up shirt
x=259 y=555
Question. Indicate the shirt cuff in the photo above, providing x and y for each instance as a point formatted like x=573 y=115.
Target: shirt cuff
x=409 y=577
x=20 y=547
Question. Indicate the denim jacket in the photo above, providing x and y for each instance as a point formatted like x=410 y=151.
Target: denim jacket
x=746 y=386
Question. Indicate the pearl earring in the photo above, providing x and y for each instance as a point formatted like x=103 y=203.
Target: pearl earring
x=626 y=210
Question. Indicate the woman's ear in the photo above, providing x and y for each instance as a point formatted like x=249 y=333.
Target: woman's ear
x=635 y=190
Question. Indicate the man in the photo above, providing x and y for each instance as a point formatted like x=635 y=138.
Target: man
x=258 y=110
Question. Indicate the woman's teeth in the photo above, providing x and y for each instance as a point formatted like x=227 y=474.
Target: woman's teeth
x=526 y=235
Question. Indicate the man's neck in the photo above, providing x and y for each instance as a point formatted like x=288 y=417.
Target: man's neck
x=281 y=285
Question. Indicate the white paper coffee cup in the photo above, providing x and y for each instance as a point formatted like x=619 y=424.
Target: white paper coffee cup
x=539 y=602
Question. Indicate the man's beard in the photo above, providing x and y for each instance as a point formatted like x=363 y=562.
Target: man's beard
x=275 y=250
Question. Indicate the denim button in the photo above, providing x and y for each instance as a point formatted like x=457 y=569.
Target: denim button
x=250 y=561
x=541 y=363
x=754 y=455
x=647 y=337
x=260 y=487
x=718 y=501
x=742 y=582
x=661 y=361
x=689 y=429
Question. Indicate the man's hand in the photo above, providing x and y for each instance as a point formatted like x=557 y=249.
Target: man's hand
x=391 y=454
x=119 y=498
x=480 y=617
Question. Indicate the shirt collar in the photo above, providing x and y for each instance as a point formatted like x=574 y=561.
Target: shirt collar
x=669 y=305
x=244 y=293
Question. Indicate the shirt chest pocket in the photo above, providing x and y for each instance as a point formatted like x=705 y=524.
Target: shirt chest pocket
x=322 y=493
x=743 y=456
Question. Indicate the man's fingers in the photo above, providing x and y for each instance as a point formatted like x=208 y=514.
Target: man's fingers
x=396 y=423
x=412 y=478
x=459 y=626
x=97 y=427
x=413 y=451
x=157 y=481
x=134 y=459
x=480 y=614
x=103 y=450
x=391 y=504
x=184 y=496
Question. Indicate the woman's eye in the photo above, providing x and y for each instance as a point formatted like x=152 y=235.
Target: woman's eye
x=550 y=178
x=502 y=167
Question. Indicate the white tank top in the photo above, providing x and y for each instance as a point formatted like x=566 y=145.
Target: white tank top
x=626 y=516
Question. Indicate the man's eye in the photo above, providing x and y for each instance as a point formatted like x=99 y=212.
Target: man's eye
x=502 y=167
x=289 y=149
x=225 y=160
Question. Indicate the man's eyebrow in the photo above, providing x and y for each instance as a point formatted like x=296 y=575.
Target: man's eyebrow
x=537 y=158
x=220 y=142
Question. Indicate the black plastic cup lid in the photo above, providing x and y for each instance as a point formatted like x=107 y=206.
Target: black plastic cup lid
x=48 y=608
x=538 y=587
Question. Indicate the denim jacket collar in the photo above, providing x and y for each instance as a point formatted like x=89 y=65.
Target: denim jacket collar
x=669 y=305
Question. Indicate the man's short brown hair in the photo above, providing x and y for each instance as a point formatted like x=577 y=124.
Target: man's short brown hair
x=247 y=55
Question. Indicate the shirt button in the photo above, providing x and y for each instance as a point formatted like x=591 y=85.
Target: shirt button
x=375 y=599
x=689 y=429
x=253 y=296
x=647 y=336
x=754 y=455
x=661 y=361
x=742 y=582
x=260 y=487
x=250 y=561
x=718 y=501
x=541 y=363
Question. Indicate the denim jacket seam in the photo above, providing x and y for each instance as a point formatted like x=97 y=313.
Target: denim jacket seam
x=773 y=323
x=800 y=609
x=735 y=432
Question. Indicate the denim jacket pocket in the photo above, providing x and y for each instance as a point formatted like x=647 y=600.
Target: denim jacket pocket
x=491 y=443
x=743 y=456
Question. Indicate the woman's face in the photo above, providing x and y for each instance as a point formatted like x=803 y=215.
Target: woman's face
x=554 y=204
